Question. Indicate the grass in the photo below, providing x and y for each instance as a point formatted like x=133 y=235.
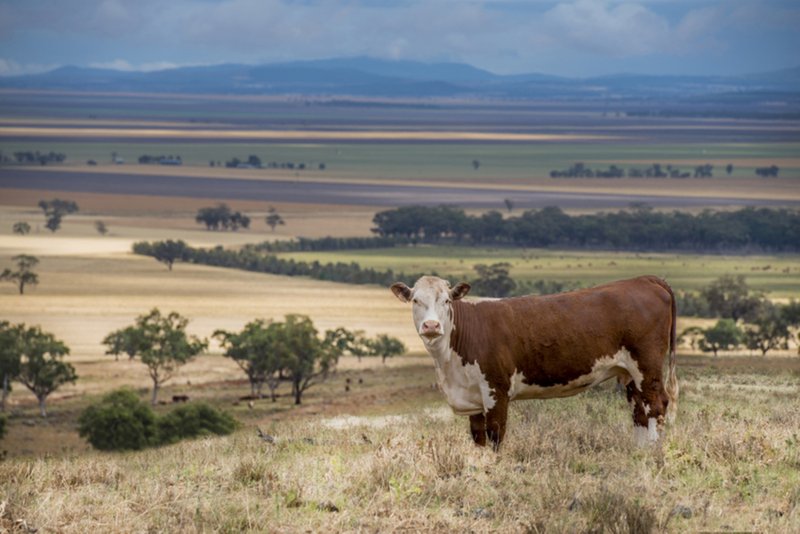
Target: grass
x=778 y=275
x=730 y=463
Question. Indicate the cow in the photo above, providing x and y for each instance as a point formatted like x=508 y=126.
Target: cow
x=490 y=352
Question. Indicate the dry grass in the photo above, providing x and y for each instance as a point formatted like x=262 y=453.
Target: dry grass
x=731 y=463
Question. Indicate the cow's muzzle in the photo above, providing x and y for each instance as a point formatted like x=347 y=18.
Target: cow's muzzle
x=431 y=329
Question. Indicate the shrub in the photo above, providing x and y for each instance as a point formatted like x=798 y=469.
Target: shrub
x=193 y=420
x=120 y=421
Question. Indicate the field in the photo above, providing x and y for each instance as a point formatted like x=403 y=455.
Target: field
x=384 y=453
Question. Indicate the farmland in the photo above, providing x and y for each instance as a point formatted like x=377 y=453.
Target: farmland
x=386 y=454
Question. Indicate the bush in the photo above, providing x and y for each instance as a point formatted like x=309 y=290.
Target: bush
x=193 y=420
x=120 y=421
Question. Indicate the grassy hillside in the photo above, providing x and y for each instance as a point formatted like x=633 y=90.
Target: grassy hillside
x=730 y=463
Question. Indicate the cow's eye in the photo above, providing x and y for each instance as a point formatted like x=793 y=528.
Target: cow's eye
x=448 y=301
x=415 y=301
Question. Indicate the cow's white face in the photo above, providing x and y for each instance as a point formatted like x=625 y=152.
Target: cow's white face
x=431 y=305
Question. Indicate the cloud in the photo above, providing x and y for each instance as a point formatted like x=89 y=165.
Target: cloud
x=126 y=66
x=10 y=67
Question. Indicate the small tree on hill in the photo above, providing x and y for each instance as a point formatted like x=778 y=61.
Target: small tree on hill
x=724 y=335
x=273 y=219
x=23 y=275
x=347 y=342
x=730 y=297
x=101 y=227
x=169 y=251
x=120 y=421
x=9 y=358
x=21 y=228
x=257 y=352
x=164 y=346
x=55 y=210
x=127 y=340
x=386 y=346
x=308 y=359
x=42 y=369
x=493 y=280
x=767 y=330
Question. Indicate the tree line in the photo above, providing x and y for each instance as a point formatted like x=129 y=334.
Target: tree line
x=30 y=157
x=640 y=228
x=250 y=258
x=656 y=170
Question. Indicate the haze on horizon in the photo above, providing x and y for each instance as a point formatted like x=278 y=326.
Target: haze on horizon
x=576 y=38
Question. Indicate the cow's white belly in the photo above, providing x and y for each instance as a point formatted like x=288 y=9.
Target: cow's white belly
x=465 y=386
x=619 y=364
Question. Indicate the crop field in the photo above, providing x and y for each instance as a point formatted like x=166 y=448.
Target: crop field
x=516 y=163
x=777 y=275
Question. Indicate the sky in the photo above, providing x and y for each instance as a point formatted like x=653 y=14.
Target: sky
x=577 y=38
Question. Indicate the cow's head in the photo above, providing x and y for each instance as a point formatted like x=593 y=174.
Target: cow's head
x=431 y=299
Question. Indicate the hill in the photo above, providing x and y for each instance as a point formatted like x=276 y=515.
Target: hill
x=370 y=77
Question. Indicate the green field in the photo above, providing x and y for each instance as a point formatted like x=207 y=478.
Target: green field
x=511 y=162
x=778 y=275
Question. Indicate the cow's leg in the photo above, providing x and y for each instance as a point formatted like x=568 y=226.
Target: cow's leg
x=496 y=420
x=477 y=425
x=649 y=408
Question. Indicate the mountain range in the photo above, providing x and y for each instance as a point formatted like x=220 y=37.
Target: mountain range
x=370 y=77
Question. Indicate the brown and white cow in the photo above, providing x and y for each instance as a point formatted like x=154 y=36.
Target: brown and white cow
x=490 y=352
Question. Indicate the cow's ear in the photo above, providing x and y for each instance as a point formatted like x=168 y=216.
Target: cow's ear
x=461 y=290
x=401 y=291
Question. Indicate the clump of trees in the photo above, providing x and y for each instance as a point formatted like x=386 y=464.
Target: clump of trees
x=166 y=252
x=767 y=172
x=28 y=157
x=24 y=275
x=640 y=228
x=122 y=421
x=222 y=217
x=147 y=159
x=34 y=358
x=746 y=319
x=55 y=210
x=161 y=344
x=293 y=351
x=274 y=219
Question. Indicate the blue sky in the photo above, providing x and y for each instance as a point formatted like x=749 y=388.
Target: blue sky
x=571 y=37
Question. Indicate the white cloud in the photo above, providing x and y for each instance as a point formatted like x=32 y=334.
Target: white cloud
x=126 y=66
x=10 y=67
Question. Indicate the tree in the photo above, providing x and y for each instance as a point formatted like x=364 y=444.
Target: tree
x=21 y=228
x=169 y=251
x=386 y=346
x=42 y=369
x=730 y=297
x=9 y=358
x=347 y=341
x=127 y=340
x=23 y=275
x=55 y=210
x=724 y=335
x=273 y=219
x=476 y=164
x=493 y=280
x=101 y=227
x=729 y=168
x=509 y=204
x=308 y=359
x=221 y=216
x=164 y=346
x=767 y=330
x=256 y=351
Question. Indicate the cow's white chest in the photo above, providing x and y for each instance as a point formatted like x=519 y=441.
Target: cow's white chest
x=465 y=386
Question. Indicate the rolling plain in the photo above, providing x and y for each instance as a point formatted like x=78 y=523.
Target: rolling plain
x=386 y=455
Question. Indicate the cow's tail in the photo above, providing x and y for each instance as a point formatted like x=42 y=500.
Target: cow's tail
x=672 y=388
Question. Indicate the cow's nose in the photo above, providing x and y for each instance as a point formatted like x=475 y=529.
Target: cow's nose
x=430 y=328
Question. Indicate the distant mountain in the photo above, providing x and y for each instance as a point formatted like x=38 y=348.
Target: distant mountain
x=364 y=76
